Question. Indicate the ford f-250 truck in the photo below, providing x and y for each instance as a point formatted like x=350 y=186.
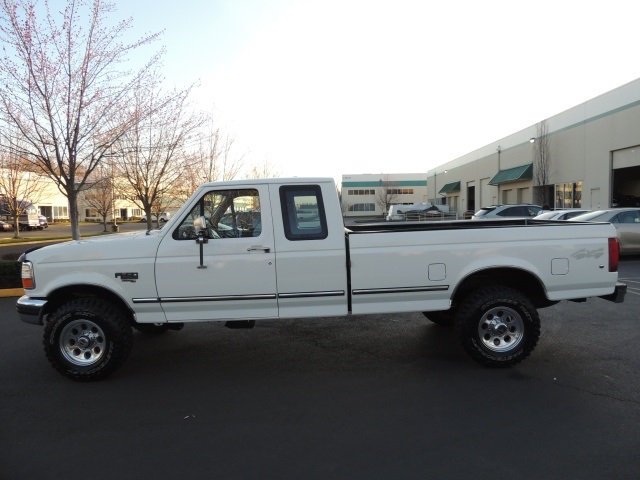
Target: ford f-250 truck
x=246 y=251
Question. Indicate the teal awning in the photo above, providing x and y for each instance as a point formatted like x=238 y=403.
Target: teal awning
x=450 y=187
x=515 y=174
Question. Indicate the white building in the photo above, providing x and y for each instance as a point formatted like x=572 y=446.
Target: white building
x=362 y=195
x=594 y=152
x=594 y=162
x=54 y=205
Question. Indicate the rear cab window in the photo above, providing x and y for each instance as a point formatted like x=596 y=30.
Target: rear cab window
x=303 y=213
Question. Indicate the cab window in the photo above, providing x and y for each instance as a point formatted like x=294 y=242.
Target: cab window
x=228 y=214
x=303 y=213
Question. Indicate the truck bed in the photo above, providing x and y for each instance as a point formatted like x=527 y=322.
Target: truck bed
x=434 y=225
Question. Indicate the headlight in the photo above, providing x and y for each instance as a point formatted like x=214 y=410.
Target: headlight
x=28 y=277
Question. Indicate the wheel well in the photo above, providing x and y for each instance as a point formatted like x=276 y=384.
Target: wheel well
x=70 y=292
x=526 y=282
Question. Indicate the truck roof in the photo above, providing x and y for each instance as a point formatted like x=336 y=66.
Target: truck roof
x=262 y=181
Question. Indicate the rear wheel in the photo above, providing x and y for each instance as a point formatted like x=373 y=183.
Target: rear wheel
x=87 y=339
x=498 y=326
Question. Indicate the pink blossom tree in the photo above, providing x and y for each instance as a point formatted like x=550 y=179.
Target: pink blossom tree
x=64 y=86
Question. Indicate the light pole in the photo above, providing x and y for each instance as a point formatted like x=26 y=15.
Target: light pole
x=435 y=186
x=113 y=199
x=499 y=149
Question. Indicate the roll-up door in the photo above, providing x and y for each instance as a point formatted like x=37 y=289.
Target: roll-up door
x=629 y=157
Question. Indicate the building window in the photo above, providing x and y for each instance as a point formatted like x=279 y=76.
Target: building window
x=362 y=207
x=568 y=195
x=400 y=191
x=61 y=212
x=361 y=192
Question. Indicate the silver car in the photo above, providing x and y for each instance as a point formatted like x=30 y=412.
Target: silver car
x=560 y=214
x=626 y=221
x=522 y=210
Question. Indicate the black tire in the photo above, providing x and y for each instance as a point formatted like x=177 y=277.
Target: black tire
x=444 y=318
x=87 y=339
x=498 y=326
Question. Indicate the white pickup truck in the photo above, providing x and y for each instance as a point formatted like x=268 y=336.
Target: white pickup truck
x=242 y=251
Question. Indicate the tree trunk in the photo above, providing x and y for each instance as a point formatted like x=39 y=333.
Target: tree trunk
x=73 y=213
x=16 y=225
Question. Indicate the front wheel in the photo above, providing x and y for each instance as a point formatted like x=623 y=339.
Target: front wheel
x=498 y=326
x=87 y=339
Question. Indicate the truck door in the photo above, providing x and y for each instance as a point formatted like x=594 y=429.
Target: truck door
x=311 y=257
x=236 y=278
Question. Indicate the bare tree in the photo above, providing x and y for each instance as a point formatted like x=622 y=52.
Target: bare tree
x=152 y=151
x=264 y=170
x=213 y=160
x=100 y=194
x=20 y=188
x=542 y=163
x=387 y=194
x=63 y=86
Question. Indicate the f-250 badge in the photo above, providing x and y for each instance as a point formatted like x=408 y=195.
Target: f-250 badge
x=128 y=277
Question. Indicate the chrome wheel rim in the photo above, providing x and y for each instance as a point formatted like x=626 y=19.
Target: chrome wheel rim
x=501 y=329
x=82 y=342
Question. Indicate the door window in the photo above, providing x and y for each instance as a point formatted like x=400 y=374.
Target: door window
x=228 y=214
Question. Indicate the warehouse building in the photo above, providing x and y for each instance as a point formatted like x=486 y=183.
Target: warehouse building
x=370 y=194
x=592 y=161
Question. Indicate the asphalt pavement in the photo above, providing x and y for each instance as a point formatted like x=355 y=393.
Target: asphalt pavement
x=368 y=397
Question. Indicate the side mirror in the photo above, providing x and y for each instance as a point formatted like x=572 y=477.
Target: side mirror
x=200 y=224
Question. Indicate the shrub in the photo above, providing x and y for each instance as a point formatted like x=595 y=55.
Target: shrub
x=10 y=274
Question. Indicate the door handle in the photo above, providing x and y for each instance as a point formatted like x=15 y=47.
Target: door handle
x=254 y=248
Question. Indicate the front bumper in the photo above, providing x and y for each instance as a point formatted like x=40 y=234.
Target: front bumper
x=618 y=294
x=31 y=310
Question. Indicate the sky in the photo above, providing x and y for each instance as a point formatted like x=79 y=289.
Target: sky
x=334 y=87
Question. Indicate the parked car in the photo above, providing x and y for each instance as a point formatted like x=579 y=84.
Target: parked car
x=164 y=216
x=523 y=210
x=6 y=226
x=560 y=214
x=43 y=222
x=626 y=221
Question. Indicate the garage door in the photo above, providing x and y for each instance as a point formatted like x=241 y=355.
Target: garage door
x=486 y=192
x=629 y=157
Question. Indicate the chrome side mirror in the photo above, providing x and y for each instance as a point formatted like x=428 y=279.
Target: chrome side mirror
x=200 y=224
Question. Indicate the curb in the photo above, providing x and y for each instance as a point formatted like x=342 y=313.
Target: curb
x=11 y=292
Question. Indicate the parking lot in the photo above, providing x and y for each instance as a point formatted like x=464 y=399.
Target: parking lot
x=64 y=229
x=379 y=396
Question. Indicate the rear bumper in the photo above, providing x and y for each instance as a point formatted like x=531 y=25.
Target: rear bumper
x=31 y=310
x=618 y=294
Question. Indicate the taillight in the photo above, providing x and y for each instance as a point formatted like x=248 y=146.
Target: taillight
x=28 y=277
x=614 y=254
